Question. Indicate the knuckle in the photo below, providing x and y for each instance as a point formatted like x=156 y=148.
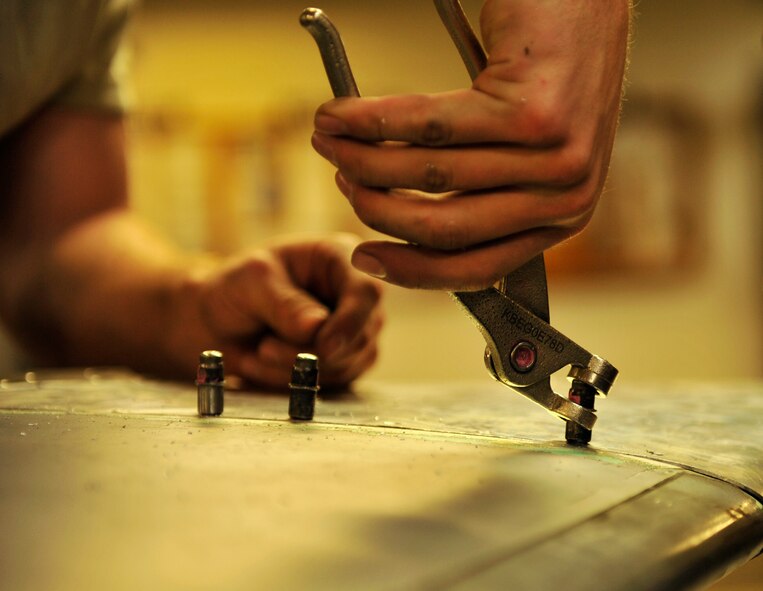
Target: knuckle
x=287 y=308
x=574 y=165
x=371 y=357
x=361 y=342
x=454 y=235
x=332 y=248
x=447 y=235
x=435 y=132
x=350 y=160
x=285 y=304
x=378 y=323
x=577 y=227
x=371 y=291
x=437 y=179
x=366 y=357
x=258 y=267
x=576 y=209
x=433 y=129
x=350 y=165
x=543 y=122
x=380 y=124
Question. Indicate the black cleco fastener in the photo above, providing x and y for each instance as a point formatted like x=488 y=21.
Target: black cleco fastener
x=303 y=387
x=584 y=395
x=210 y=383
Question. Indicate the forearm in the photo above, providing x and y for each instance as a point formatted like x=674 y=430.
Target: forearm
x=107 y=291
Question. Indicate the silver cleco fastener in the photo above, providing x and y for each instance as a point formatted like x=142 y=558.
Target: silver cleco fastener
x=210 y=383
x=303 y=387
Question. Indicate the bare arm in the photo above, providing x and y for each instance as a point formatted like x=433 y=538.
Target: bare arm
x=87 y=283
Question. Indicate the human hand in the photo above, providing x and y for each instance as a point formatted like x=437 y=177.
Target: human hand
x=480 y=180
x=94 y=285
x=263 y=308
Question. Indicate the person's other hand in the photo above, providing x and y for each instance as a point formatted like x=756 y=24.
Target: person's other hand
x=263 y=308
x=478 y=181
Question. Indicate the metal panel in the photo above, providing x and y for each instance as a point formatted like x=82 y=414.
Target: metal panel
x=112 y=481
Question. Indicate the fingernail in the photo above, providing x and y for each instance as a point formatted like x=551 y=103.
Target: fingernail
x=330 y=125
x=323 y=147
x=368 y=264
x=346 y=188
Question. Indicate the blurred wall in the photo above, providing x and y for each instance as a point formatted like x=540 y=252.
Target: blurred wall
x=224 y=94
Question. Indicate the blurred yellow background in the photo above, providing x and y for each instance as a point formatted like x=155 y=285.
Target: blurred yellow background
x=667 y=283
x=223 y=99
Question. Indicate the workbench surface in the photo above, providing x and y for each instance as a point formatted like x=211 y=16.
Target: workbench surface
x=109 y=480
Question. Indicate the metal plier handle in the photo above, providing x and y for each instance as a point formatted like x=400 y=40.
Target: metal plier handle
x=523 y=349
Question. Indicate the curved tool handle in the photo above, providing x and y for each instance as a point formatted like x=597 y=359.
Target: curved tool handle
x=332 y=51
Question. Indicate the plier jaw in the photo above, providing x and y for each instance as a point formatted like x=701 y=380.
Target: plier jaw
x=523 y=351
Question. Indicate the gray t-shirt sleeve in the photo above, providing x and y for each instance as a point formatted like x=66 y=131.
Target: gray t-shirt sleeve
x=99 y=82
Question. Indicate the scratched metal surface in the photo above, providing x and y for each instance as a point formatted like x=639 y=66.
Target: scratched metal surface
x=715 y=429
x=111 y=481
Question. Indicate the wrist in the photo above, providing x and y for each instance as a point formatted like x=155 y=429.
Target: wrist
x=187 y=330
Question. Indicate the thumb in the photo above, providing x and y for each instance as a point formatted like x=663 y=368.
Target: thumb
x=288 y=310
x=258 y=292
x=291 y=312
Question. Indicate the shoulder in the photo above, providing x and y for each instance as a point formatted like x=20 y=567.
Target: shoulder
x=58 y=51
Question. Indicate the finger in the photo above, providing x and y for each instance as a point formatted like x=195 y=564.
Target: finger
x=270 y=365
x=458 y=117
x=339 y=376
x=274 y=351
x=262 y=373
x=258 y=290
x=320 y=267
x=354 y=299
x=291 y=312
x=357 y=318
x=245 y=362
x=414 y=266
x=460 y=220
x=437 y=170
x=340 y=345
